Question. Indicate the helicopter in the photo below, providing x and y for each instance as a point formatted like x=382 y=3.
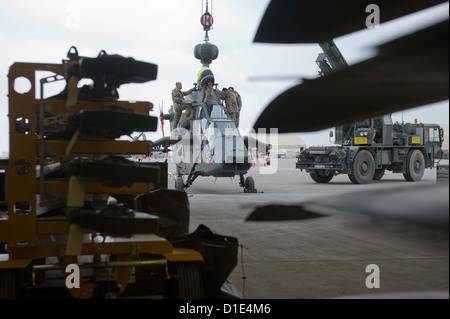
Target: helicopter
x=210 y=144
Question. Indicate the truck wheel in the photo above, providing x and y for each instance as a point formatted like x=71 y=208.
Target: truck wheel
x=363 y=168
x=379 y=173
x=321 y=178
x=188 y=281
x=415 y=166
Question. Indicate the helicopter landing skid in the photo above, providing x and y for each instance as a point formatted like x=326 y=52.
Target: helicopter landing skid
x=179 y=183
x=192 y=177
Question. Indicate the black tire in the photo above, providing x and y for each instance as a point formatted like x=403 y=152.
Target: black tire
x=415 y=166
x=379 y=173
x=321 y=178
x=363 y=168
x=188 y=281
x=249 y=185
x=442 y=173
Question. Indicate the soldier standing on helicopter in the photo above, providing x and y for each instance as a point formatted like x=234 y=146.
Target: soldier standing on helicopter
x=230 y=102
x=205 y=81
x=179 y=103
x=239 y=104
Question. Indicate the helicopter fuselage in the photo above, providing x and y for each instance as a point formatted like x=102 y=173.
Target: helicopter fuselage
x=210 y=143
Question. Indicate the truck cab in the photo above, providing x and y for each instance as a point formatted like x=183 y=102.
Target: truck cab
x=366 y=149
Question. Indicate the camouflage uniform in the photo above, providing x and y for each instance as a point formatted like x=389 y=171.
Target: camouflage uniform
x=205 y=80
x=178 y=97
x=239 y=106
x=230 y=102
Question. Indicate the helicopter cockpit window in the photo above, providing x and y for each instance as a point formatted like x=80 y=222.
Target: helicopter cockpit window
x=216 y=111
x=227 y=128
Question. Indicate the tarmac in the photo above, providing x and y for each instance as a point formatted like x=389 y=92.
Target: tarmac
x=329 y=257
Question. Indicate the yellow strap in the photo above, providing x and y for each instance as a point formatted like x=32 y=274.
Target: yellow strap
x=75 y=198
x=72 y=142
x=72 y=92
x=77 y=186
x=74 y=240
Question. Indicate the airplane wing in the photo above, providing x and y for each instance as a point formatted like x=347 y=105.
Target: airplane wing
x=307 y=21
x=408 y=72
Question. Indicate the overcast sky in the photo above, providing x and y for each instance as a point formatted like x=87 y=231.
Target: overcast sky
x=165 y=33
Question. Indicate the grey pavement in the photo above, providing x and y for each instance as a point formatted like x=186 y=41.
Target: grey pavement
x=323 y=257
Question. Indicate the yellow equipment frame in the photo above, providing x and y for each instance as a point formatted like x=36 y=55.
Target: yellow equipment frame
x=30 y=239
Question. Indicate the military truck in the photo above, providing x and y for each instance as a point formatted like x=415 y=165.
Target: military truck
x=366 y=149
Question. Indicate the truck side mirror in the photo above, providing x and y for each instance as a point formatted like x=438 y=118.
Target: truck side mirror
x=331 y=136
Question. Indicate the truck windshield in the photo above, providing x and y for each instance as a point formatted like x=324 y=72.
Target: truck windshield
x=363 y=124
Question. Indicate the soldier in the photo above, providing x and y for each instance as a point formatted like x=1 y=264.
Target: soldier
x=205 y=81
x=179 y=104
x=230 y=102
x=239 y=104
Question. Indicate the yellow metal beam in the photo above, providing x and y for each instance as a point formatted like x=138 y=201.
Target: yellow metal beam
x=54 y=245
x=183 y=254
x=56 y=107
x=22 y=161
x=60 y=188
x=4 y=229
x=56 y=148
x=14 y=264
